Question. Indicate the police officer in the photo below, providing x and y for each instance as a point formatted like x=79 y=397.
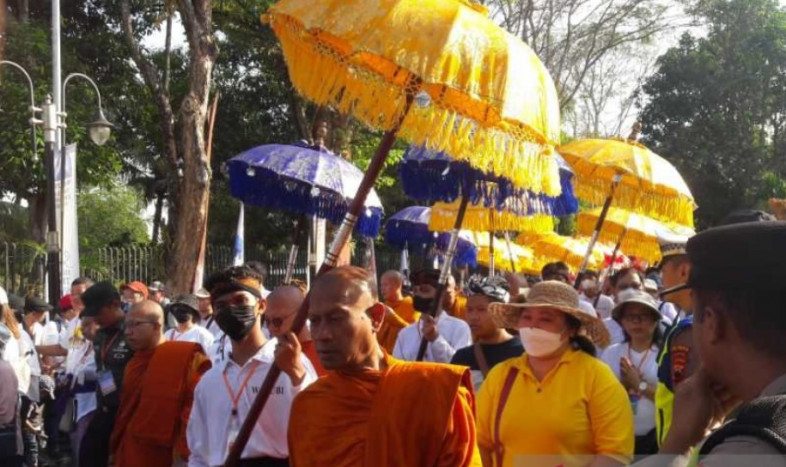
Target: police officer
x=112 y=353
x=739 y=327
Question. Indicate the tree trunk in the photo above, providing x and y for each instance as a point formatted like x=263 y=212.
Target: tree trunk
x=157 y=216
x=193 y=195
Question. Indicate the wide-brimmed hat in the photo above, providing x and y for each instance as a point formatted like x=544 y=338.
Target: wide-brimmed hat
x=36 y=305
x=188 y=302
x=635 y=296
x=555 y=295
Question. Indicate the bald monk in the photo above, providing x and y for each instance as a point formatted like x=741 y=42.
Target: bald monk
x=282 y=306
x=454 y=302
x=158 y=389
x=392 y=283
x=371 y=409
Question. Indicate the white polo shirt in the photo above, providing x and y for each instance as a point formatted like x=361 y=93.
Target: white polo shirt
x=211 y=415
x=454 y=334
x=196 y=334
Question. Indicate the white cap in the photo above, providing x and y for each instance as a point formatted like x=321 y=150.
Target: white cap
x=587 y=308
x=673 y=241
x=3 y=297
x=202 y=293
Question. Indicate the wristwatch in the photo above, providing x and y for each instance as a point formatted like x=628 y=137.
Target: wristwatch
x=643 y=386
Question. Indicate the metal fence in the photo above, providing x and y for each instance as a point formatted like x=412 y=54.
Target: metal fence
x=23 y=265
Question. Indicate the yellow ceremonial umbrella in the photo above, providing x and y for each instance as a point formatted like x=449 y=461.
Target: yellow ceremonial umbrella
x=513 y=257
x=554 y=247
x=481 y=94
x=634 y=233
x=628 y=175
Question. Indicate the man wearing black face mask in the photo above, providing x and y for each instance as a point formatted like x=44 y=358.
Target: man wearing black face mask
x=444 y=333
x=225 y=393
x=185 y=310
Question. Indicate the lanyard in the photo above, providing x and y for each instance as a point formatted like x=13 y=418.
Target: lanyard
x=235 y=397
x=641 y=362
x=105 y=349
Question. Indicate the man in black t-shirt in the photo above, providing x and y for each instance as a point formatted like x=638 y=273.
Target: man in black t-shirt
x=492 y=344
x=112 y=353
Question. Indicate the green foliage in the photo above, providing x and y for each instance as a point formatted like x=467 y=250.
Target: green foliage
x=716 y=106
x=110 y=217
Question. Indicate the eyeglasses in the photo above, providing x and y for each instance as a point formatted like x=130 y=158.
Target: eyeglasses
x=638 y=318
x=134 y=324
x=275 y=322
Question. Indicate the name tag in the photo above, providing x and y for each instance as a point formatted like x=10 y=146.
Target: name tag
x=106 y=382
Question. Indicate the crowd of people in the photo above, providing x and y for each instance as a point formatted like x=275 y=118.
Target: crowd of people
x=602 y=369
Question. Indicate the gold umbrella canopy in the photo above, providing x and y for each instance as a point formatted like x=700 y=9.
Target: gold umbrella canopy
x=637 y=234
x=648 y=184
x=553 y=247
x=479 y=218
x=481 y=95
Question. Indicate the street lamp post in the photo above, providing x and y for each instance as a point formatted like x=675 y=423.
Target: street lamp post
x=54 y=125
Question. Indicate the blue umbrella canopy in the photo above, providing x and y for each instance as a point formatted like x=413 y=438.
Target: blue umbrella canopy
x=302 y=180
x=430 y=177
x=408 y=228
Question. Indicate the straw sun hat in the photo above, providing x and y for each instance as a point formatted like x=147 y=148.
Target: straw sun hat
x=557 y=296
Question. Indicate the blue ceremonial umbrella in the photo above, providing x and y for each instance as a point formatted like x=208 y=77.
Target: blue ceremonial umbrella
x=302 y=180
x=429 y=177
x=408 y=228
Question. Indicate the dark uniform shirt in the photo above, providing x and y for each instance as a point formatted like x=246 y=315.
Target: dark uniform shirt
x=494 y=353
x=112 y=353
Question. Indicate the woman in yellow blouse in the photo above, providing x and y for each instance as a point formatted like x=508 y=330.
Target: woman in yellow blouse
x=556 y=404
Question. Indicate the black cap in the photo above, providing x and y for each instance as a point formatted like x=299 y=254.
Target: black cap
x=747 y=215
x=36 y=305
x=98 y=296
x=188 y=300
x=16 y=302
x=750 y=255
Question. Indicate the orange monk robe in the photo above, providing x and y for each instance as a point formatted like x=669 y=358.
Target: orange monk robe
x=410 y=414
x=311 y=352
x=459 y=308
x=388 y=332
x=405 y=309
x=155 y=404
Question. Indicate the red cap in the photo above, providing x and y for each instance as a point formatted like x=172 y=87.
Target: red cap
x=65 y=303
x=137 y=287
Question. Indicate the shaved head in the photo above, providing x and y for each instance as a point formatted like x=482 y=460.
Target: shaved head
x=345 y=318
x=145 y=325
x=282 y=305
x=391 y=283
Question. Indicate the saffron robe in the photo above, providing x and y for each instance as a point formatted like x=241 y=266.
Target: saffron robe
x=405 y=309
x=155 y=404
x=388 y=331
x=410 y=414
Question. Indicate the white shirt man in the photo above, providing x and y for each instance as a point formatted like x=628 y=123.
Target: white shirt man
x=604 y=306
x=212 y=425
x=454 y=334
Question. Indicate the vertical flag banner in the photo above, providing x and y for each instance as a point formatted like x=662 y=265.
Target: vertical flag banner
x=65 y=205
x=240 y=249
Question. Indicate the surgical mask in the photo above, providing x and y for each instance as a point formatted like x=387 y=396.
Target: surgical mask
x=538 y=342
x=236 y=321
x=588 y=284
x=423 y=304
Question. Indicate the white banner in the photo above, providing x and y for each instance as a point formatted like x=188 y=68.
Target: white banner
x=66 y=218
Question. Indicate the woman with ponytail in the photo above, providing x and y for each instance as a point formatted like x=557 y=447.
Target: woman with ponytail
x=557 y=403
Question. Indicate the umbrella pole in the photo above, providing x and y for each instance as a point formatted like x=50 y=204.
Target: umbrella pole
x=510 y=253
x=339 y=241
x=611 y=266
x=491 y=254
x=443 y=277
x=292 y=260
x=598 y=226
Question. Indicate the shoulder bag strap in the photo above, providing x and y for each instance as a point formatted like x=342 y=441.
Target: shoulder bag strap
x=499 y=448
x=481 y=359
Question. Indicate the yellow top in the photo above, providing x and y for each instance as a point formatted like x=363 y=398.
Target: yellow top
x=579 y=409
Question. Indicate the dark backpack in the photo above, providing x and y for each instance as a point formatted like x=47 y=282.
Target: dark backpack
x=763 y=418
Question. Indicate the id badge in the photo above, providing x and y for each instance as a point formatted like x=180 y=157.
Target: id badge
x=106 y=382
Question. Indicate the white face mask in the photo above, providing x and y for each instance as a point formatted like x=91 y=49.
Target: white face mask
x=538 y=342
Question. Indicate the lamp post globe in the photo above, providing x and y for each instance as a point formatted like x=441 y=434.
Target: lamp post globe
x=100 y=129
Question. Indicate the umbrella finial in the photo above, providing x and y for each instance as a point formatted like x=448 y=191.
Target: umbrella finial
x=635 y=132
